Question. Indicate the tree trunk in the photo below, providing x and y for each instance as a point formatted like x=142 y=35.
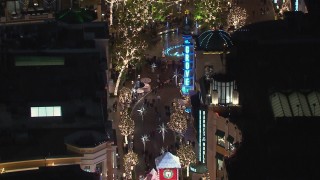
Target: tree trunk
x=126 y=139
x=188 y=170
x=119 y=79
x=111 y=12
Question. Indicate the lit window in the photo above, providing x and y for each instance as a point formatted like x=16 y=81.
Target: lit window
x=221 y=141
x=50 y=111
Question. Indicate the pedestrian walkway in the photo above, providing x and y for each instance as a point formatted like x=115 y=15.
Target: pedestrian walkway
x=154 y=116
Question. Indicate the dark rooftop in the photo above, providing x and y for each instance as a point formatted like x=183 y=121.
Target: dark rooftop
x=36 y=143
x=86 y=139
x=54 y=35
x=67 y=172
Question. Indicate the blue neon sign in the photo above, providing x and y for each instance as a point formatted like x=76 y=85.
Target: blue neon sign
x=187 y=49
x=296 y=5
x=186 y=66
x=186 y=73
x=188 y=82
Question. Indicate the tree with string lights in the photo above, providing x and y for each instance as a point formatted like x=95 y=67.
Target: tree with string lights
x=208 y=13
x=130 y=160
x=285 y=6
x=163 y=8
x=133 y=16
x=175 y=105
x=237 y=17
x=126 y=125
x=178 y=122
x=186 y=156
x=127 y=51
x=125 y=97
x=114 y=4
x=129 y=48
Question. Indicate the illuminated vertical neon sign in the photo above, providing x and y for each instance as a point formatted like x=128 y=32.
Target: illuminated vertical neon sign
x=188 y=53
x=202 y=136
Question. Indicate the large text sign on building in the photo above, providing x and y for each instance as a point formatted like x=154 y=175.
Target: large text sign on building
x=202 y=135
x=188 y=65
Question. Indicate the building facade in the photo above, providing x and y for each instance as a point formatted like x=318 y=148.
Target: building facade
x=54 y=78
x=222 y=141
x=100 y=159
x=218 y=98
x=217 y=140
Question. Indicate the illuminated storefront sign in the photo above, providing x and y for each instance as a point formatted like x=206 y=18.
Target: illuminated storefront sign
x=202 y=136
x=188 y=52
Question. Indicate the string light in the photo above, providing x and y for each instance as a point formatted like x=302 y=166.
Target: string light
x=133 y=16
x=178 y=122
x=285 y=6
x=237 y=17
x=125 y=96
x=186 y=156
x=174 y=51
x=112 y=3
x=130 y=160
x=162 y=8
x=207 y=12
x=127 y=51
x=126 y=125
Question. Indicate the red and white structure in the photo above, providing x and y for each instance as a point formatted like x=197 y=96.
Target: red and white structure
x=168 y=166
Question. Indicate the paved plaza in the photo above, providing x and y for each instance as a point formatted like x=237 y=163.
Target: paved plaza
x=156 y=113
